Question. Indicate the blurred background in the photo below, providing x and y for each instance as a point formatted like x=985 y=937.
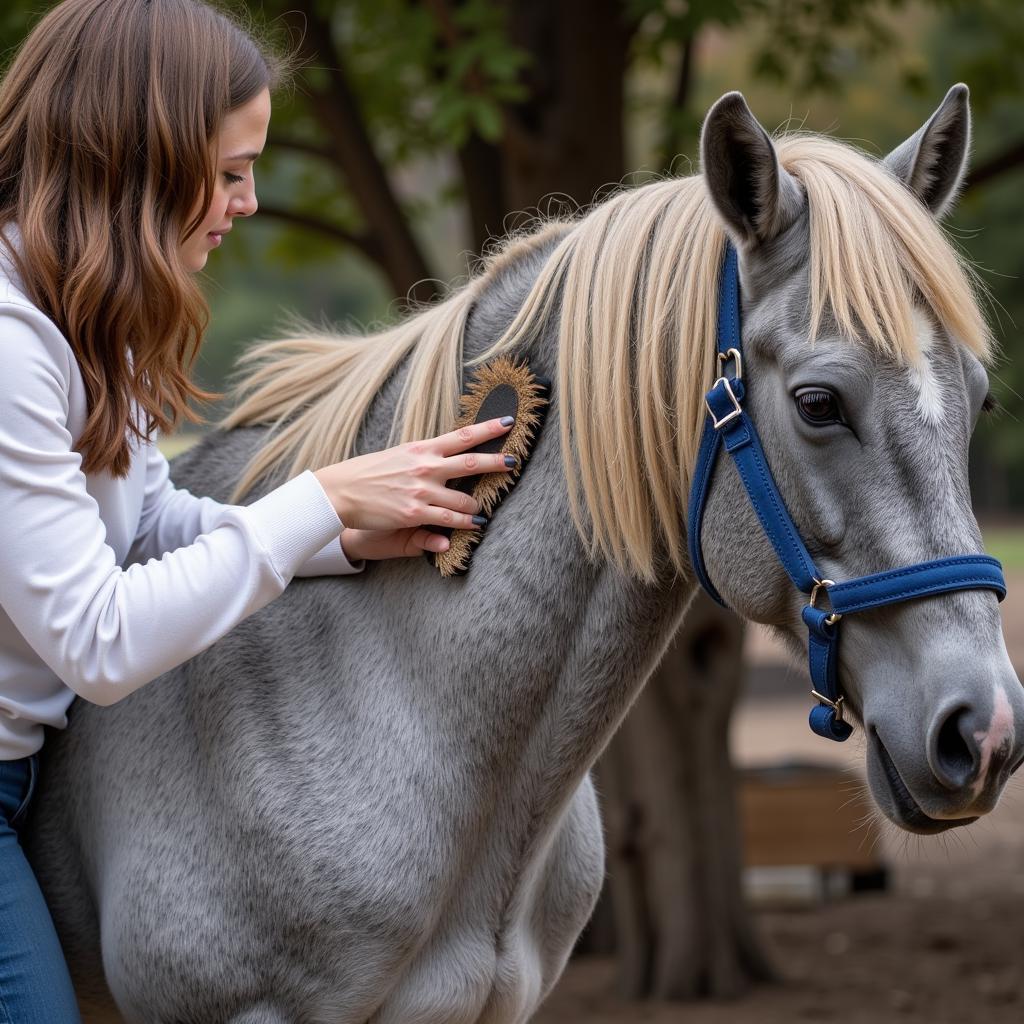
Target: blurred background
x=748 y=878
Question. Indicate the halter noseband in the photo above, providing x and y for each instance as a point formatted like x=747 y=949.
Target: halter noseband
x=728 y=424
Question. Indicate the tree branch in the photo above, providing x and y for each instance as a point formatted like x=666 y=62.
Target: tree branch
x=680 y=101
x=363 y=242
x=1009 y=159
x=479 y=160
x=517 y=138
x=337 y=109
x=302 y=146
x=483 y=181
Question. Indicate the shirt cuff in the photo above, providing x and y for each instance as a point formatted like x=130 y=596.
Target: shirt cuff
x=294 y=521
x=330 y=560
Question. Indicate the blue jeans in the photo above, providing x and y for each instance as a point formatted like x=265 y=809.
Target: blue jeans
x=35 y=987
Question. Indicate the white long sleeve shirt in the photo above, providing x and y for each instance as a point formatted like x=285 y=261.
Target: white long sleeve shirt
x=106 y=583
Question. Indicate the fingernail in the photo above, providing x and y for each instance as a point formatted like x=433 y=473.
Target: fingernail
x=507 y=421
x=511 y=460
x=479 y=521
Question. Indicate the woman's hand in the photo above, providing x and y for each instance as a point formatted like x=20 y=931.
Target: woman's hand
x=378 y=544
x=402 y=488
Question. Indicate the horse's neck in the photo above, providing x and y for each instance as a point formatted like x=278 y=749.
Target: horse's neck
x=554 y=646
x=585 y=635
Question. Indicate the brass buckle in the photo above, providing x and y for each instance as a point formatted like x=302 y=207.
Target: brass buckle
x=835 y=705
x=736 y=410
x=835 y=616
x=734 y=355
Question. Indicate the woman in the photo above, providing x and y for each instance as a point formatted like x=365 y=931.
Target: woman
x=128 y=133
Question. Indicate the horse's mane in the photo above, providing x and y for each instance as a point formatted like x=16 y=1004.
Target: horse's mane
x=637 y=280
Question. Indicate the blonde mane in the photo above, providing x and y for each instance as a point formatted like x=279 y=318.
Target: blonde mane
x=637 y=280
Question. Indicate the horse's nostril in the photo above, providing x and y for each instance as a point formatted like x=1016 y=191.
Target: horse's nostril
x=956 y=755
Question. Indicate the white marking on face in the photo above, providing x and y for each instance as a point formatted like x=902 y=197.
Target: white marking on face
x=922 y=377
x=1000 y=733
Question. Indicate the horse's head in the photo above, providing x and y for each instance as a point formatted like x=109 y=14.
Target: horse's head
x=868 y=442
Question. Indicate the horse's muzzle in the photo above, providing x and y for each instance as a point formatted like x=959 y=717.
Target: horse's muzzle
x=898 y=803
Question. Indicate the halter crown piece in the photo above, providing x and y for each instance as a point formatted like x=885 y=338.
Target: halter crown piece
x=729 y=425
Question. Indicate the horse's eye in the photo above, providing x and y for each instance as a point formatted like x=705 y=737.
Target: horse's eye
x=818 y=406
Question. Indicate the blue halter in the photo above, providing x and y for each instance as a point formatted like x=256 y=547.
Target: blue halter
x=728 y=424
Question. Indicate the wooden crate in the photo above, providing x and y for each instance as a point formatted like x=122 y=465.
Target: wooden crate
x=807 y=814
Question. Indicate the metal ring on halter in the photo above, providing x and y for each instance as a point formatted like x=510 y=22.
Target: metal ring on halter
x=836 y=705
x=736 y=410
x=835 y=616
x=736 y=357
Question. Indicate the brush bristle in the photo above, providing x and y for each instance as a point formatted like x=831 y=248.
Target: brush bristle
x=491 y=487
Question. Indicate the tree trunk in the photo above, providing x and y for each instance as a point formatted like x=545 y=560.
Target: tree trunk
x=340 y=119
x=567 y=138
x=682 y=929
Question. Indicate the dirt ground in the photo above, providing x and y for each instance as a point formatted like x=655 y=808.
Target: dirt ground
x=945 y=944
x=932 y=959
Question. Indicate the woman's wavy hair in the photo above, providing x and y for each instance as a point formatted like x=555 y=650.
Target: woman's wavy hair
x=107 y=115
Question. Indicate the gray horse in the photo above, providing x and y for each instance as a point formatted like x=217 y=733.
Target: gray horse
x=371 y=801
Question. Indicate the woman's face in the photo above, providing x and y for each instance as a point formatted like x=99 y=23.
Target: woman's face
x=243 y=135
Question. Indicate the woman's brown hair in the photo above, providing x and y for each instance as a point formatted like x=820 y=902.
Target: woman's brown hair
x=107 y=114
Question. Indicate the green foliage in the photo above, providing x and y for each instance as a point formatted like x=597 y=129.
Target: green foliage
x=477 y=72
x=390 y=50
x=429 y=77
x=16 y=17
x=982 y=42
x=425 y=84
x=673 y=22
x=991 y=223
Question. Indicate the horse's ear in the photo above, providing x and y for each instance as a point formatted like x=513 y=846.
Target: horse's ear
x=933 y=161
x=754 y=195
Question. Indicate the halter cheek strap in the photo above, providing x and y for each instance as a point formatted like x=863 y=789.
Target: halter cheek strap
x=728 y=426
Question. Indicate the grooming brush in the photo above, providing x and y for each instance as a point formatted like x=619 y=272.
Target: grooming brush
x=499 y=388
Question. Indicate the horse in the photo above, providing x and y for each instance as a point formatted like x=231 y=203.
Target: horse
x=371 y=801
